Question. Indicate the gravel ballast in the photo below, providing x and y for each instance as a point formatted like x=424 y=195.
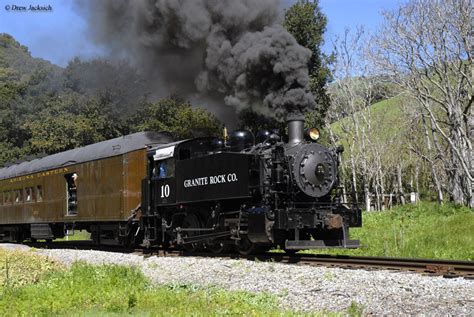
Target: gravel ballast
x=301 y=288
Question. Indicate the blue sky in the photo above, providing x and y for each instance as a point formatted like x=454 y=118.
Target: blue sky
x=60 y=35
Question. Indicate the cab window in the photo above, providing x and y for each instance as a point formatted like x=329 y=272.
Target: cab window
x=163 y=169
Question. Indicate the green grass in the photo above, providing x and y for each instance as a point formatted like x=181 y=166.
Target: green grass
x=425 y=230
x=18 y=268
x=111 y=289
x=77 y=236
x=33 y=284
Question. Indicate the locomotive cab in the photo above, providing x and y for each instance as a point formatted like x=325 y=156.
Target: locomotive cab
x=186 y=183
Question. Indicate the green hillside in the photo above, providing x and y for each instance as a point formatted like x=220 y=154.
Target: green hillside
x=17 y=64
x=386 y=117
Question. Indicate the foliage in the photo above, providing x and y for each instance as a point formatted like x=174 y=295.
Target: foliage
x=91 y=290
x=18 y=268
x=68 y=122
x=178 y=117
x=422 y=47
x=424 y=230
x=16 y=59
x=46 y=109
x=117 y=83
x=306 y=22
x=355 y=310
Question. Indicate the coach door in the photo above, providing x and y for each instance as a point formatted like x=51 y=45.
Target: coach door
x=71 y=194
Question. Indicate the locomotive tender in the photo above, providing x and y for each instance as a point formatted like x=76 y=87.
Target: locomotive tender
x=202 y=193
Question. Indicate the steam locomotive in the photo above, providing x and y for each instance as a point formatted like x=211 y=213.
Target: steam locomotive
x=198 y=194
x=201 y=193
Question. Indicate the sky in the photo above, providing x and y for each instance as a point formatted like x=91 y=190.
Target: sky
x=60 y=34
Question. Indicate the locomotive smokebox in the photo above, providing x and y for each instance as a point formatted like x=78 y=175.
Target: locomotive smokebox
x=295 y=128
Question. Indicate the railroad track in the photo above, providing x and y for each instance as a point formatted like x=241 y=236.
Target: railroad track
x=445 y=268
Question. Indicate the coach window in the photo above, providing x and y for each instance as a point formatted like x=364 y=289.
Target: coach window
x=18 y=196
x=29 y=194
x=39 y=193
x=6 y=197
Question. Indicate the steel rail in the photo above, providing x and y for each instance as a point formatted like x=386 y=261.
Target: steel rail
x=445 y=268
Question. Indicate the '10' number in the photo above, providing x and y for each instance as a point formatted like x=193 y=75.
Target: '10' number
x=165 y=191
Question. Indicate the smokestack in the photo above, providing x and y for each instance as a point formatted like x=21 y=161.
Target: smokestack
x=295 y=128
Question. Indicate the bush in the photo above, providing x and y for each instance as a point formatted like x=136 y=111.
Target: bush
x=425 y=230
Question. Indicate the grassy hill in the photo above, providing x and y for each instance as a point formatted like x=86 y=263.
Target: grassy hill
x=386 y=117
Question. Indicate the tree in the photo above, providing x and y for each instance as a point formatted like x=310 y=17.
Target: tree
x=426 y=48
x=67 y=122
x=305 y=21
x=118 y=83
x=178 y=117
x=351 y=95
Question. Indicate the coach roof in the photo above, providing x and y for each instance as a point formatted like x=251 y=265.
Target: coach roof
x=109 y=148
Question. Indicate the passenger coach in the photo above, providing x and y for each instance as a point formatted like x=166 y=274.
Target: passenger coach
x=94 y=188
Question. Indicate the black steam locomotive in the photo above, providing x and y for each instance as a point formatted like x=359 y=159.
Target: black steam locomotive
x=212 y=194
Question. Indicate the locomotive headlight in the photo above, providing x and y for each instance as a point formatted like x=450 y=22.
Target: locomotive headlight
x=312 y=134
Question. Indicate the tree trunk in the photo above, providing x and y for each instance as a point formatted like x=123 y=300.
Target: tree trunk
x=354 y=178
x=401 y=193
x=366 y=195
x=434 y=174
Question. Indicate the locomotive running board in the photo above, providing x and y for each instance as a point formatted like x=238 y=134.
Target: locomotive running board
x=321 y=244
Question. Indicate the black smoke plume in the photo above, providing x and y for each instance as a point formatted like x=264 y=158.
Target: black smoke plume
x=234 y=51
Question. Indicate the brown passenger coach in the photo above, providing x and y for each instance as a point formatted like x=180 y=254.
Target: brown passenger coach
x=95 y=187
